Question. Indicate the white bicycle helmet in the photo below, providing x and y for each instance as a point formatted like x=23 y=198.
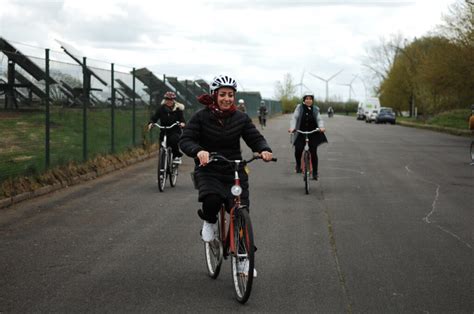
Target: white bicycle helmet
x=308 y=94
x=241 y=101
x=223 y=81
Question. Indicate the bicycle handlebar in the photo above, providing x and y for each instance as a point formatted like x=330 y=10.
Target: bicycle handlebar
x=167 y=127
x=218 y=157
x=309 y=132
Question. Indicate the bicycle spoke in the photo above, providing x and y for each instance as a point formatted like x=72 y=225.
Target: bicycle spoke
x=214 y=253
x=243 y=258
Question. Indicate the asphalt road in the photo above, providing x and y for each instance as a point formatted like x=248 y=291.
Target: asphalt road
x=387 y=228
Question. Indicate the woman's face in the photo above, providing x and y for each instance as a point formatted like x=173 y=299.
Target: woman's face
x=225 y=97
x=308 y=101
x=169 y=102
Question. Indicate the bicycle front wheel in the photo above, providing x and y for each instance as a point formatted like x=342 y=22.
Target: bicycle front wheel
x=214 y=252
x=162 y=164
x=173 y=171
x=472 y=151
x=243 y=259
x=306 y=171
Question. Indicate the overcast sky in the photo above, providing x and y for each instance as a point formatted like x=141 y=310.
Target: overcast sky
x=255 y=41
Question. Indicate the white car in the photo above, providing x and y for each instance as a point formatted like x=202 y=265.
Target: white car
x=371 y=117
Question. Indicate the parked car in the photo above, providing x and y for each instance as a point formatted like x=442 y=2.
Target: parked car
x=366 y=107
x=385 y=115
x=371 y=116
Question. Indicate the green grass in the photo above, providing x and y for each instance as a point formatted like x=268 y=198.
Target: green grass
x=22 y=144
x=456 y=119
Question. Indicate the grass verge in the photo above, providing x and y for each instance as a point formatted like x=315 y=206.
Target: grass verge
x=20 y=188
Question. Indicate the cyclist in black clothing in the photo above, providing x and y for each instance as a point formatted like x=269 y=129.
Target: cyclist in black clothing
x=262 y=114
x=168 y=113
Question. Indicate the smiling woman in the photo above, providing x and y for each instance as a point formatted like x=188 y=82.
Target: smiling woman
x=219 y=128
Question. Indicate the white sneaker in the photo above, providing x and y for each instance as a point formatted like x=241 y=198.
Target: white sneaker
x=177 y=160
x=243 y=268
x=209 y=231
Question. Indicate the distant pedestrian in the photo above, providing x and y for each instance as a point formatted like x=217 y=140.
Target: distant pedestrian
x=241 y=105
x=262 y=114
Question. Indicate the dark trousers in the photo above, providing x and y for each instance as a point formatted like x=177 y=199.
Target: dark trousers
x=172 y=141
x=211 y=205
x=313 y=149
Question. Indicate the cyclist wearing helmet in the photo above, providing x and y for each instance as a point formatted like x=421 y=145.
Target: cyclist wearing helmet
x=168 y=113
x=218 y=128
x=241 y=105
x=262 y=114
x=306 y=117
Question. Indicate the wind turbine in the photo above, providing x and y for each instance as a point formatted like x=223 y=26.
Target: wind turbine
x=327 y=81
x=350 y=86
x=301 y=83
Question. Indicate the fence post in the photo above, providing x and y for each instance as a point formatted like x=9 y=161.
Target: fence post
x=47 y=122
x=133 y=109
x=85 y=91
x=112 y=105
x=186 y=94
x=150 y=107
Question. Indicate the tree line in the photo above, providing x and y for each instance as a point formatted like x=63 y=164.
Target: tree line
x=431 y=74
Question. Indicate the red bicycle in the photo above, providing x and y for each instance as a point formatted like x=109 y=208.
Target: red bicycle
x=306 y=166
x=234 y=237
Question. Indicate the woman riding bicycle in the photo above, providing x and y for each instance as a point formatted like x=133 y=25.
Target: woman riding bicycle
x=218 y=128
x=168 y=113
x=306 y=117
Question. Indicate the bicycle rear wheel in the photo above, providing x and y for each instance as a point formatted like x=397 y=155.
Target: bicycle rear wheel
x=162 y=164
x=306 y=170
x=214 y=252
x=243 y=260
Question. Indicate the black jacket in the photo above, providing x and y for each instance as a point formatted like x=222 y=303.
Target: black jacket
x=168 y=116
x=205 y=132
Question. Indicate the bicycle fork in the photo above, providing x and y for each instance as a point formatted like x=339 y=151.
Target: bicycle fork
x=165 y=149
x=307 y=168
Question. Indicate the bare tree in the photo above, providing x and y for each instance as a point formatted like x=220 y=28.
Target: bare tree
x=285 y=89
x=459 y=23
x=379 y=59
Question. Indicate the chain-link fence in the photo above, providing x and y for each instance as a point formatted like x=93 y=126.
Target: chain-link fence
x=73 y=109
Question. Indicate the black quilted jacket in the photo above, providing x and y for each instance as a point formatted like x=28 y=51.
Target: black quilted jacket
x=205 y=132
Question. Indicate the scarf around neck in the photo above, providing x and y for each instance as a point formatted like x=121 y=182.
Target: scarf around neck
x=211 y=102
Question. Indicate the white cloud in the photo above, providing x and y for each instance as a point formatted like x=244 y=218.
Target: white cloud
x=257 y=41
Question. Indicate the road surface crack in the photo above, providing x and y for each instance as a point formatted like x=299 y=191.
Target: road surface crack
x=332 y=242
x=427 y=219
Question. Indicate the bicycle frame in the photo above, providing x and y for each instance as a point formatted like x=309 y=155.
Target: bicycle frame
x=237 y=241
x=306 y=137
x=227 y=240
x=165 y=128
x=167 y=154
x=306 y=159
